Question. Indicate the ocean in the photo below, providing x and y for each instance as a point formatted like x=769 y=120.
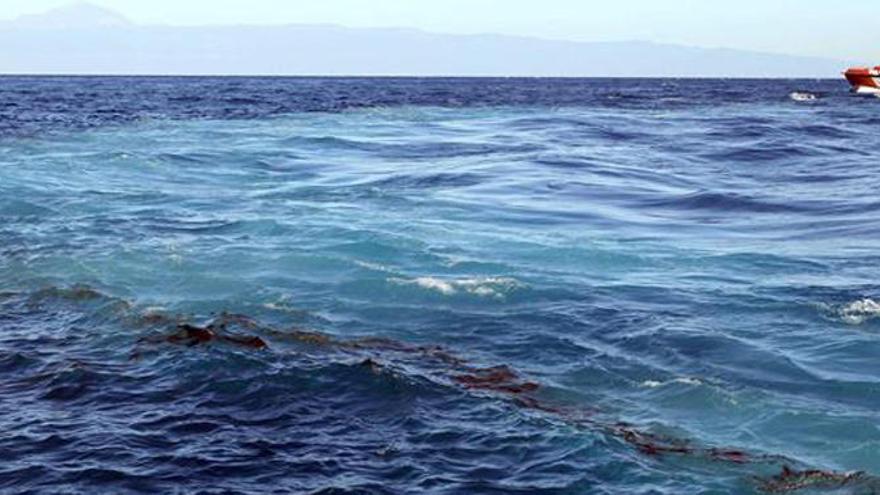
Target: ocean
x=440 y=286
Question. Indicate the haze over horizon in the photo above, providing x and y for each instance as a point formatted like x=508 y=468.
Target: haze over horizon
x=116 y=37
x=792 y=27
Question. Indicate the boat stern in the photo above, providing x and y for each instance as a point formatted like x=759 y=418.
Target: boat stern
x=864 y=80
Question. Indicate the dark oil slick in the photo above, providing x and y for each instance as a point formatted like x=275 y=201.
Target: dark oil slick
x=501 y=382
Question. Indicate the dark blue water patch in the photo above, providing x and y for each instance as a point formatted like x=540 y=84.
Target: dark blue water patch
x=822 y=131
x=32 y=105
x=729 y=202
x=239 y=417
x=743 y=128
x=384 y=441
x=764 y=152
x=21 y=210
x=434 y=181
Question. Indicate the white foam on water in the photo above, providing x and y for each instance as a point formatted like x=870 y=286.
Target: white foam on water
x=175 y=253
x=276 y=306
x=678 y=381
x=858 y=312
x=494 y=287
x=284 y=304
x=803 y=96
x=373 y=266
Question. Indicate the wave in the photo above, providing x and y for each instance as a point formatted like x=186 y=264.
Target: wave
x=375 y=267
x=19 y=209
x=763 y=153
x=490 y=287
x=827 y=131
x=859 y=312
x=430 y=181
x=707 y=200
x=677 y=381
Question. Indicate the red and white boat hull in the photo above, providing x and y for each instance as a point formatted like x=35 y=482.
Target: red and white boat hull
x=864 y=80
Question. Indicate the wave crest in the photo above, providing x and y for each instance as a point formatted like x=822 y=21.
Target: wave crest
x=494 y=287
x=859 y=312
x=677 y=381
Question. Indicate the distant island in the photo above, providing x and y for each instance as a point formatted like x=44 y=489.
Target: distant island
x=86 y=39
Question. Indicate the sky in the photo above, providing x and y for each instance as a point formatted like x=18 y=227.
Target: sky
x=844 y=30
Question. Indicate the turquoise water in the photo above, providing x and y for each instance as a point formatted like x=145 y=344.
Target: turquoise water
x=656 y=265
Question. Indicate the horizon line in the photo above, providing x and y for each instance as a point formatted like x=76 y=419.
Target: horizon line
x=411 y=76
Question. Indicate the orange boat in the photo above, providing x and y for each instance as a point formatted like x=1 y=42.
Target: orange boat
x=864 y=79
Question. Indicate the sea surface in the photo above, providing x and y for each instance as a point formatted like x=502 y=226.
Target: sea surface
x=439 y=286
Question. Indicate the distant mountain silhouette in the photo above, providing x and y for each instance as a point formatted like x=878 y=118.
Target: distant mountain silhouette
x=85 y=39
x=74 y=16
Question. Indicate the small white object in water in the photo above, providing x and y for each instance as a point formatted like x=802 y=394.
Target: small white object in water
x=803 y=96
x=858 y=312
x=679 y=381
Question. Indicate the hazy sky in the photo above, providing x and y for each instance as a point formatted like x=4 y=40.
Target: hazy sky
x=840 y=29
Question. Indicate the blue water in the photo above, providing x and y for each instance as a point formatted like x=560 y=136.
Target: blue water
x=695 y=259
